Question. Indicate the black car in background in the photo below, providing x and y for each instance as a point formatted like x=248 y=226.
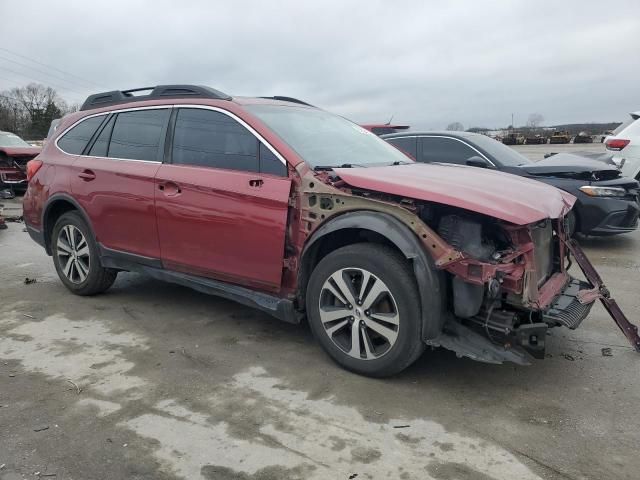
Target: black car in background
x=607 y=202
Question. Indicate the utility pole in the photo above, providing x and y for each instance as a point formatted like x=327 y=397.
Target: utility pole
x=513 y=127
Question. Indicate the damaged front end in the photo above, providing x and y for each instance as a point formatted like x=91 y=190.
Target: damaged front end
x=13 y=170
x=503 y=253
x=511 y=285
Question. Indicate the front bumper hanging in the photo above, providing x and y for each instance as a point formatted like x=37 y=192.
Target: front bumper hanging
x=600 y=291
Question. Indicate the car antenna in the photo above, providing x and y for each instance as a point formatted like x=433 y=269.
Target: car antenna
x=389 y=122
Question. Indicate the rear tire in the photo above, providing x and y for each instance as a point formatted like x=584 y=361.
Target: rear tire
x=75 y=256
x=362 y=305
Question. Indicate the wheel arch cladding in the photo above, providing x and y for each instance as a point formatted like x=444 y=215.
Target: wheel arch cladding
x=55 y=207
x=376 y=226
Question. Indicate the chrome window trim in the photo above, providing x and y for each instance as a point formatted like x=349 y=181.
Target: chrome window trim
x=449 y=138
x=153 y=107
x=156 y=107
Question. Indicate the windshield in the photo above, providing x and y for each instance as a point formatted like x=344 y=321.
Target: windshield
x=11 y=140
x=502 y=154
x=326 y=140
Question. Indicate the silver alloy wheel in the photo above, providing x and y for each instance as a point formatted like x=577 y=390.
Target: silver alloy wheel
x=359 y=313
x=73 y=254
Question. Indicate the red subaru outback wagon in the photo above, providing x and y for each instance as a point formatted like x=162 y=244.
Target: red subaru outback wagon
x=301 y=213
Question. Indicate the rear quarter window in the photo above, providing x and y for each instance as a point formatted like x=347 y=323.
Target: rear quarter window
x=76 y=139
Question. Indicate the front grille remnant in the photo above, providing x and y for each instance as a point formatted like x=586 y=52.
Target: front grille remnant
x=566 y=309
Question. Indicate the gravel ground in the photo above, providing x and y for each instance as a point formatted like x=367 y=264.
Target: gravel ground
x=156 y=381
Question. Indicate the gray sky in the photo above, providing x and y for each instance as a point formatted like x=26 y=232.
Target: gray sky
x=426 y=63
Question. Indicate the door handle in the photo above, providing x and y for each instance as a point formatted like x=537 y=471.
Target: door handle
x=170 y=189
x=256 y=182
x=87 y=175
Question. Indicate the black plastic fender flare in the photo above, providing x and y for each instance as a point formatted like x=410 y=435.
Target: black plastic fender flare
x=430 y=280
x=45 y=212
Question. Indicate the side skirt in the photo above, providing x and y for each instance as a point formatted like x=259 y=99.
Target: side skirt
x=280 y=308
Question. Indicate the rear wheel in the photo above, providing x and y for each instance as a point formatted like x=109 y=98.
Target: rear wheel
x=75 y=256
x=362 y=305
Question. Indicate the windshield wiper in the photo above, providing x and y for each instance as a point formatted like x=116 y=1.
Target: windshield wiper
x=331 y=167
x=402 y=162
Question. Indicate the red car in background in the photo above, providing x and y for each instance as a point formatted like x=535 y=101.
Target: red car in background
x=14 y=155
x=384 y=128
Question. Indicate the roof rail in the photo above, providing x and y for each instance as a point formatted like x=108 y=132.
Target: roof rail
x=115 y=97
x=288 y=99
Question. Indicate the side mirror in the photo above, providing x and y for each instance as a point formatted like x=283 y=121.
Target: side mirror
x=477 y=161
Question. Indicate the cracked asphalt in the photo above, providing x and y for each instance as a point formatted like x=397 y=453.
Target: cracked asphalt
x=156 y=381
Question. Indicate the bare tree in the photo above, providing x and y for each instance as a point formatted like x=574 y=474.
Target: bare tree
x=28 y=111
x=12 y=116
x=455 y=127
x=535 y=120
x=34 y=97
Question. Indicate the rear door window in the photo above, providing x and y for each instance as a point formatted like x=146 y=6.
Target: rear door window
x=213 y=139
x=100 y=147
x=408 y=145
x=445 y=150
x=76 y=139
x=139 y=135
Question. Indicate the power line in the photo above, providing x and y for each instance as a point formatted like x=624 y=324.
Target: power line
x=7 y=79
x=41 y=81
x=57 y=77
x=53 y=68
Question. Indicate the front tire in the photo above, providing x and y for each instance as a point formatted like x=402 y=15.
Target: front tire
x=572 y=223
x=362 y=305
x=75 y=256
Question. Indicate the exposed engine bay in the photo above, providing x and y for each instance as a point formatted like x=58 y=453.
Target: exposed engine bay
x=515 y=328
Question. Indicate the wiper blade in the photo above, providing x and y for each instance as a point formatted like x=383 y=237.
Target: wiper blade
x=331 y=167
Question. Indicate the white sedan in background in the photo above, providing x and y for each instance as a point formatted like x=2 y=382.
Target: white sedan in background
x=625 y=141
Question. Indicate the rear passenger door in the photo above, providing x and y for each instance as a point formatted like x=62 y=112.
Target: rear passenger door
x=222 y=201
x=113 y=180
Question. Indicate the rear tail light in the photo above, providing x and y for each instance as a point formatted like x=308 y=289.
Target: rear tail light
x=617 y=144
x=32 y=167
